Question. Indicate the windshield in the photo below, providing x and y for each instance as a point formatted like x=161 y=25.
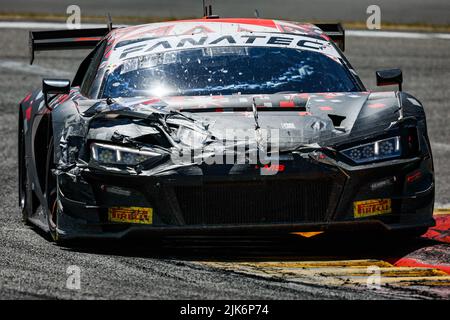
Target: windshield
x=228 y=70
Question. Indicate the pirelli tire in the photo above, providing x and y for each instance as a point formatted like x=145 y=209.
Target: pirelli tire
x=24 y=193
x=51 y=195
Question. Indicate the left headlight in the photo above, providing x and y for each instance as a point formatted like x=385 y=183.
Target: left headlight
x=191 y=137
x=378 y=150
x=111 y=154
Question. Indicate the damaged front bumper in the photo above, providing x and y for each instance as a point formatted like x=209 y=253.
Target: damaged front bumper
x=307 y=195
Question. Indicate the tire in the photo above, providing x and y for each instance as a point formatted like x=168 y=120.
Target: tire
x=24 y=193
x=51 y=195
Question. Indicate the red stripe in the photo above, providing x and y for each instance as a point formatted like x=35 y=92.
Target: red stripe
x=287 y=104
x=151 y=101
x=256 y=22
x=28 y=113
x=408 y=262
x=302 y=95
x=108 y=51
x=88 y=39
x=27 y=97
x=441 y=232
x=66 y=98
x=414 y=176
x=376 y=105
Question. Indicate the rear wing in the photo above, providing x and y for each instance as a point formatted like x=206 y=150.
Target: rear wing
x=335 y=31
x=65 y=39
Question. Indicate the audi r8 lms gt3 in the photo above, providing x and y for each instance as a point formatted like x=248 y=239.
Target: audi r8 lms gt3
x=220 y=125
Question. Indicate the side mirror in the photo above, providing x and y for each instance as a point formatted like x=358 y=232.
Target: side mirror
x=54 y=86
x=390 y=77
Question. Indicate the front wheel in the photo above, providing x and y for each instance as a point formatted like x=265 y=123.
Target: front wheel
x=24 y=197
x=51 y=195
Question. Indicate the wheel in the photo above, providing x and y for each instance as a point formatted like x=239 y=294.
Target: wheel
x=24 y=194
x=51 y=195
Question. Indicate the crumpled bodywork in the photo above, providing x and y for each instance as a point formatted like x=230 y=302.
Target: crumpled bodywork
x=303 y=121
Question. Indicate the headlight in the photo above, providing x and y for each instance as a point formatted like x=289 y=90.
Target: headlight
x=191 y=137
x=378 y=150
x=110 y=154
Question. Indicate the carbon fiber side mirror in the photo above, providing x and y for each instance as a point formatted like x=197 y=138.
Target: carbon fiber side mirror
x=54 y=86
x=390 y=77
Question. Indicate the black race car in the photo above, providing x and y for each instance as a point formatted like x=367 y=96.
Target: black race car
x=220 y=125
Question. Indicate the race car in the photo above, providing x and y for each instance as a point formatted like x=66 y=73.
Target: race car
x=213 y=126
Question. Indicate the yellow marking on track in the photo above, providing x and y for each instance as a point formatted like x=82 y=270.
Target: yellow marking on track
x=315 y=264
x=362 y=271
x=444 y=211
x=332 y=271
x=338 y=272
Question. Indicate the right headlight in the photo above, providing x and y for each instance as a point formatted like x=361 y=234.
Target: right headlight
x=111 y=154
x=378 y=150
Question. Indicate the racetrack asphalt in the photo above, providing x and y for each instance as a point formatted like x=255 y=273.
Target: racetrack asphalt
x=33 y=267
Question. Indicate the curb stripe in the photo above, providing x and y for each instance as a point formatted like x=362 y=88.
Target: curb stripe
x=412 y=263
x=440 y=232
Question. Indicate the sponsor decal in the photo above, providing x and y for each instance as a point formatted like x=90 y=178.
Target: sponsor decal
x=131 y=215
x=134 y=49
x=372 y=207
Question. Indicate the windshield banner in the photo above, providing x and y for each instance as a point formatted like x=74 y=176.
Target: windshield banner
x=158 y=45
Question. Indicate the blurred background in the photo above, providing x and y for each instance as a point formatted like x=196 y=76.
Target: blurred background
x=413 y=12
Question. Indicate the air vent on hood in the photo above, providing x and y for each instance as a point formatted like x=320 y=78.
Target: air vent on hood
x=336 y=119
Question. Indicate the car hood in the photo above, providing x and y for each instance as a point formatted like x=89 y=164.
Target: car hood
x=301 y=118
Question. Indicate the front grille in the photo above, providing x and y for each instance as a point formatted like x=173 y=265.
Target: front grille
x=256 y=202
